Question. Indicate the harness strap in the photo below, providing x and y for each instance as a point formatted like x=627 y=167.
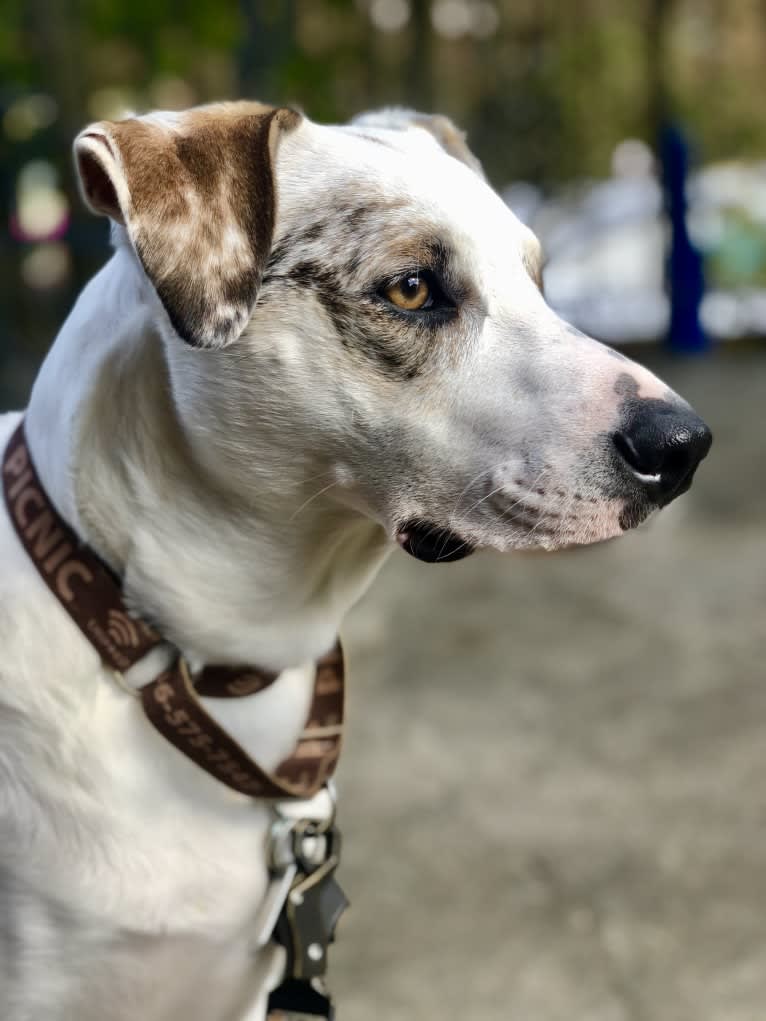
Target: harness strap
x=91 y=594
x=172 y=705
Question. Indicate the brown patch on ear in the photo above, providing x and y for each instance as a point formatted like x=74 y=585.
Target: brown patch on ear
x=450 y=137
x=447 y=134
x=197 y=195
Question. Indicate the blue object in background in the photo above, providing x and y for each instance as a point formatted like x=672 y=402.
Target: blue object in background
x=684 y=272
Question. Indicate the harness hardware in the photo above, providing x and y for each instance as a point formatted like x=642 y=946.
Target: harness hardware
x=305 y=852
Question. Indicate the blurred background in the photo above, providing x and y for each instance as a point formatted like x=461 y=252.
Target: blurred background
x=554 y=791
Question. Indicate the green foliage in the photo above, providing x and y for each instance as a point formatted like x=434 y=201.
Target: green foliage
x=546 y=93
x=545 y=89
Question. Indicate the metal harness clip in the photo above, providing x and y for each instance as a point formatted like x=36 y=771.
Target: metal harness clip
x=309 y=851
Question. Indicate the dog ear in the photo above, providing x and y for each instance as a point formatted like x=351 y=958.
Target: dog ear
x=446 y=132
x=450 y=138
x=196 y=194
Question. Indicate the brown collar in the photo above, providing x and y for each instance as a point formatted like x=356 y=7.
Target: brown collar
x=91 y=595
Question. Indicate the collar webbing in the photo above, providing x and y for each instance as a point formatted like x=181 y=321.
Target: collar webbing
x=91 y=595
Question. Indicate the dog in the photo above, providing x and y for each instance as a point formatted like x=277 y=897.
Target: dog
x=312 y=344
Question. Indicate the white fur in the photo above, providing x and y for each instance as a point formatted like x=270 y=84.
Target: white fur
x=230 y=491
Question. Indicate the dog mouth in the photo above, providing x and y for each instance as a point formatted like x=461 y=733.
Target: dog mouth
x=431 y=543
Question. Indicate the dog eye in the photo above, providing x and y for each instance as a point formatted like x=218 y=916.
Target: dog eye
x=410 y=292
x=414 y=292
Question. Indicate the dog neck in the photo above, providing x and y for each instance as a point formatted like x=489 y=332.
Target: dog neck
x=259 y=573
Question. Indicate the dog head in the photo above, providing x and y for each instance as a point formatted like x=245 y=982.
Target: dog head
x=355 y=301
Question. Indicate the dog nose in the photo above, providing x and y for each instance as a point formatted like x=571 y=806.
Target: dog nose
x=663 y=446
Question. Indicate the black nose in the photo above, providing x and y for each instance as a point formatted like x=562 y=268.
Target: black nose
x=663 y=445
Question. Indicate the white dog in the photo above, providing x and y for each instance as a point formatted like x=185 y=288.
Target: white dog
x=311 y=343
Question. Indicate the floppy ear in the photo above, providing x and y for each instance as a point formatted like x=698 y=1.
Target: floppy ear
x=196 y=194
x=446 y=132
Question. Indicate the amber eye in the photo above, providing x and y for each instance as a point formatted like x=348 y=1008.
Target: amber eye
x=411 y=292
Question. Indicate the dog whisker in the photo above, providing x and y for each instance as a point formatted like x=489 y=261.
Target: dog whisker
x=520 y=499
x=487 y=471
x=305 y=504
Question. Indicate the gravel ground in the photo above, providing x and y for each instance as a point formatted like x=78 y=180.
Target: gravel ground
x=554 y=789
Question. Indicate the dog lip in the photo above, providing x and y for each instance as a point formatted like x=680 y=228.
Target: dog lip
x=635 y=512
x=432 y=543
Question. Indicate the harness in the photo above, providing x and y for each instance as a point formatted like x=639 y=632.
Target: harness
x=303 y=902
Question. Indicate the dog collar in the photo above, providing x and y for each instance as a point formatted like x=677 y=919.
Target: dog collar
x=91 y=594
